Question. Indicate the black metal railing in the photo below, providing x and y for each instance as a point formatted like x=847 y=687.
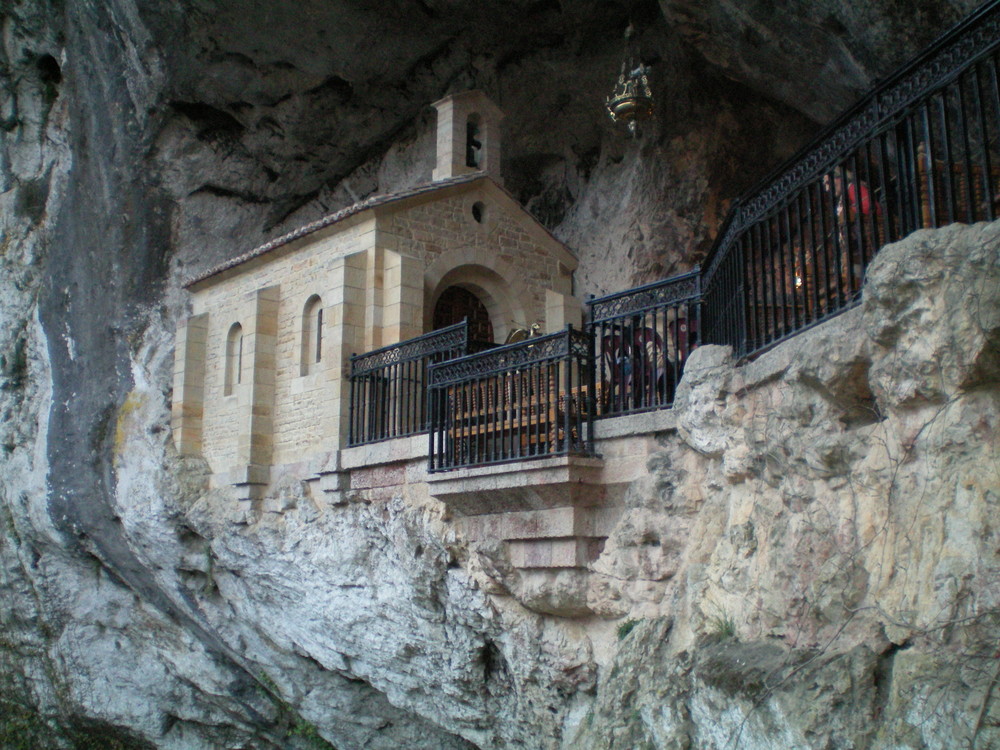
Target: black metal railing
x=921 y=150
x=388 y=385
x=524 y=400
x=642 y=338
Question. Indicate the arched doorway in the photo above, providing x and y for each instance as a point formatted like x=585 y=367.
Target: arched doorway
x=457 y=303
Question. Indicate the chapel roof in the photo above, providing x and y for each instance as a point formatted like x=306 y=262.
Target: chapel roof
x=330 y=219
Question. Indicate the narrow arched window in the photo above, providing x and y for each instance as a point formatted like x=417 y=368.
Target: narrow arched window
x=234 y=359
x=312 y=334
x=473 y=143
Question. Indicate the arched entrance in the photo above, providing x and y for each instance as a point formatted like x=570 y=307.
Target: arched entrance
x=491 y=282
x=457 y=303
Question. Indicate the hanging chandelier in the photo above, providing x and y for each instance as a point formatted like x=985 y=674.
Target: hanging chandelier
x=631 y=101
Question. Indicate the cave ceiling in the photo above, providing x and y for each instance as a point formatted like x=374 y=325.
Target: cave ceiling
x=304 y=94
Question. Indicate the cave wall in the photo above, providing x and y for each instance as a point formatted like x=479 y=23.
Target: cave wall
x=144 y=142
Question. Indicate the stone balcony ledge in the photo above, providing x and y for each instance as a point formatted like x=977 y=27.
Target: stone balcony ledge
x=632 y=425
x=385 y=452
x=532 y=484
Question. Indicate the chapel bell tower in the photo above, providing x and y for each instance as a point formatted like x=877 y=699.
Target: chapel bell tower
x=468 y=135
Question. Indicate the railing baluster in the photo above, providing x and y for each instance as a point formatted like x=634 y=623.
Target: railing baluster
x=828 y=227
x=788 y=269
x=640 y=363
x=948 y=178
x=780 y=276
x=993 y=180
x=799 y=273
x=815 y=210
x=900 y=204
x=985 y=163
x=541 y=374
x=732 y=303
x=884 y=173
x=567 y=364
x=770 y=284
x=760 y=283
x=765 y=326
x=409 y=393
x=755 y=287
x=402 y=397
x=914 y=205
x=930 y=168
x=508 y=380
x=853 y=235
x=966 y=160
x=869 y=240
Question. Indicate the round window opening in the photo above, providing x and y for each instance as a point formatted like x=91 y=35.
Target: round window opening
x=479 y=211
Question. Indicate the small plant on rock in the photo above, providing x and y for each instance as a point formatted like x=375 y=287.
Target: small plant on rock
x=626 y=627
x=723 y=626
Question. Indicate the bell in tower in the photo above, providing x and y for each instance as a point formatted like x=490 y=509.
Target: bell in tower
x=468 y=136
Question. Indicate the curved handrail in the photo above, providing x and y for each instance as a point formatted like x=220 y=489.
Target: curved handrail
x=951 y=53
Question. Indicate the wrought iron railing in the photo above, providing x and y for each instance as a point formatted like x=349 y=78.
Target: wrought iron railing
x=525 y=400
x=922 y=150
x=388 y=385
x=642 y=338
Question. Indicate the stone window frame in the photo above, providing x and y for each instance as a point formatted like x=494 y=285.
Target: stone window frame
x=489 y=213
x=233 y=368
x=311 y=341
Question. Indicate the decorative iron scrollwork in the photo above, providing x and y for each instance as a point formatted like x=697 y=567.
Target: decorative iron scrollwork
x=670 y=291
x=941 y=66
x=452 y=338
x=511 y=357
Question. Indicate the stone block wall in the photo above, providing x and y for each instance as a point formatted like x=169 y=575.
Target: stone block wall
x=222 y=413
x=483 y=228
x=188 y=405
x=276 y=413
x=403 y=298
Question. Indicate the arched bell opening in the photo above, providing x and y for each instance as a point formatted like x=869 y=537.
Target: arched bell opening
x=473 y=142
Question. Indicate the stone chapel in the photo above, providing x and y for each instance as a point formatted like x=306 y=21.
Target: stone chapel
x=262 y=361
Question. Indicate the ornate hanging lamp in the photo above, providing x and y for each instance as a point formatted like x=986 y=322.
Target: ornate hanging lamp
x=631 y=101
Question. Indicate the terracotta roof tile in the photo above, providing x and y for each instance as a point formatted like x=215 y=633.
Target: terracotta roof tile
x=330 y=219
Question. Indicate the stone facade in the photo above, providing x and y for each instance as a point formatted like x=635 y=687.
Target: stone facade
x=262 y=363
x=274 y=410
x=511 y=263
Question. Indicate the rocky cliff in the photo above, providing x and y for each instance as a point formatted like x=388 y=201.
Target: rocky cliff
x=815 y=551
x=811 y=563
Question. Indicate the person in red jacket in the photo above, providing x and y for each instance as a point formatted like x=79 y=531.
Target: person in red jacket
x=854 y=188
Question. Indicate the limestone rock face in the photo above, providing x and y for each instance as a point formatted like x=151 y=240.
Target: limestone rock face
x=945 y=342
x=831 y=507
x=824 y=522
